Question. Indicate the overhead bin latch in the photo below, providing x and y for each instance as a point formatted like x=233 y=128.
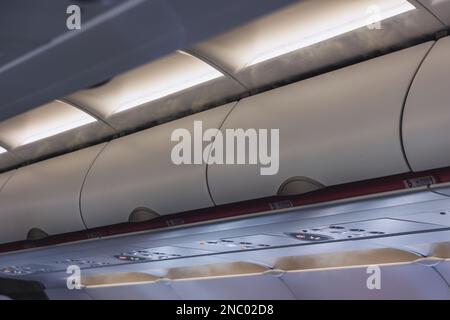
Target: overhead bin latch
x=142 y=214
x=36 y=234
x=298 y=185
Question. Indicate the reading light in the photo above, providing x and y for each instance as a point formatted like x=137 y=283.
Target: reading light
x=3 y=150
x=180 y=81
x=336 y=26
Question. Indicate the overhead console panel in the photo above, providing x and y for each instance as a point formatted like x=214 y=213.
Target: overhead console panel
x=427 y=112
x=135 y=174
x=43 y=198
x=336 y=128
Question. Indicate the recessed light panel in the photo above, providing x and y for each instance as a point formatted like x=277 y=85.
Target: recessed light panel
x=306 y=23
x=197 y=73
x=158 y=79
x=330 y=23
x=45 y=121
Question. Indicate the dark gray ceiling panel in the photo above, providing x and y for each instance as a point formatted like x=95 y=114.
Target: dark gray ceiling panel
x=120 y=37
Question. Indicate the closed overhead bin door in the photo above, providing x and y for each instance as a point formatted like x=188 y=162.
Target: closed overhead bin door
x=336 y=128
x=426 y=124
x=245 y=287
x=136 y=172
x=396 y=281
x=4 y=177
x=45 y=196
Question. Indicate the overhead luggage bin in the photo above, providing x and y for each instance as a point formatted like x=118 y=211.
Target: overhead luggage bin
x=441 y=258
x=368 y=274
x=135 y=175
x=401 y=281
x=382 y=273
x=4 y=177
x=336 y=128
x=228 y=281
x=146 y=291
x=43 y=198
x=211 y=281
x=427 y=112
x=245 y=287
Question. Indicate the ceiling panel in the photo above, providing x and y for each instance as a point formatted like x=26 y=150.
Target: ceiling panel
x=339 y=275
x=122 y=34
x=64 y=294
x=441 y=252
x=313 y=26
x=258 y=287
x=18 y=31
x=404 y=281
x=148 y=291
x=444 y=269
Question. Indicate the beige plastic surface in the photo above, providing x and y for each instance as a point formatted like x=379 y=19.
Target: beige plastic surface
x=336 y=128
x=426 y=128
x=137 y=171
x=45 y=195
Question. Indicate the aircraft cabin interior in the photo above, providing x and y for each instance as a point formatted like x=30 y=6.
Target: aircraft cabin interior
x=225 y=150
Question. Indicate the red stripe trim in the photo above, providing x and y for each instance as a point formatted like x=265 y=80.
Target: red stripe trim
x=346 y=191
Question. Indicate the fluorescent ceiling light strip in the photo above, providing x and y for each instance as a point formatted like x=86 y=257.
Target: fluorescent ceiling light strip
x=331 y=31
x=66 y=126
x=177 y=87
x=3 y=150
